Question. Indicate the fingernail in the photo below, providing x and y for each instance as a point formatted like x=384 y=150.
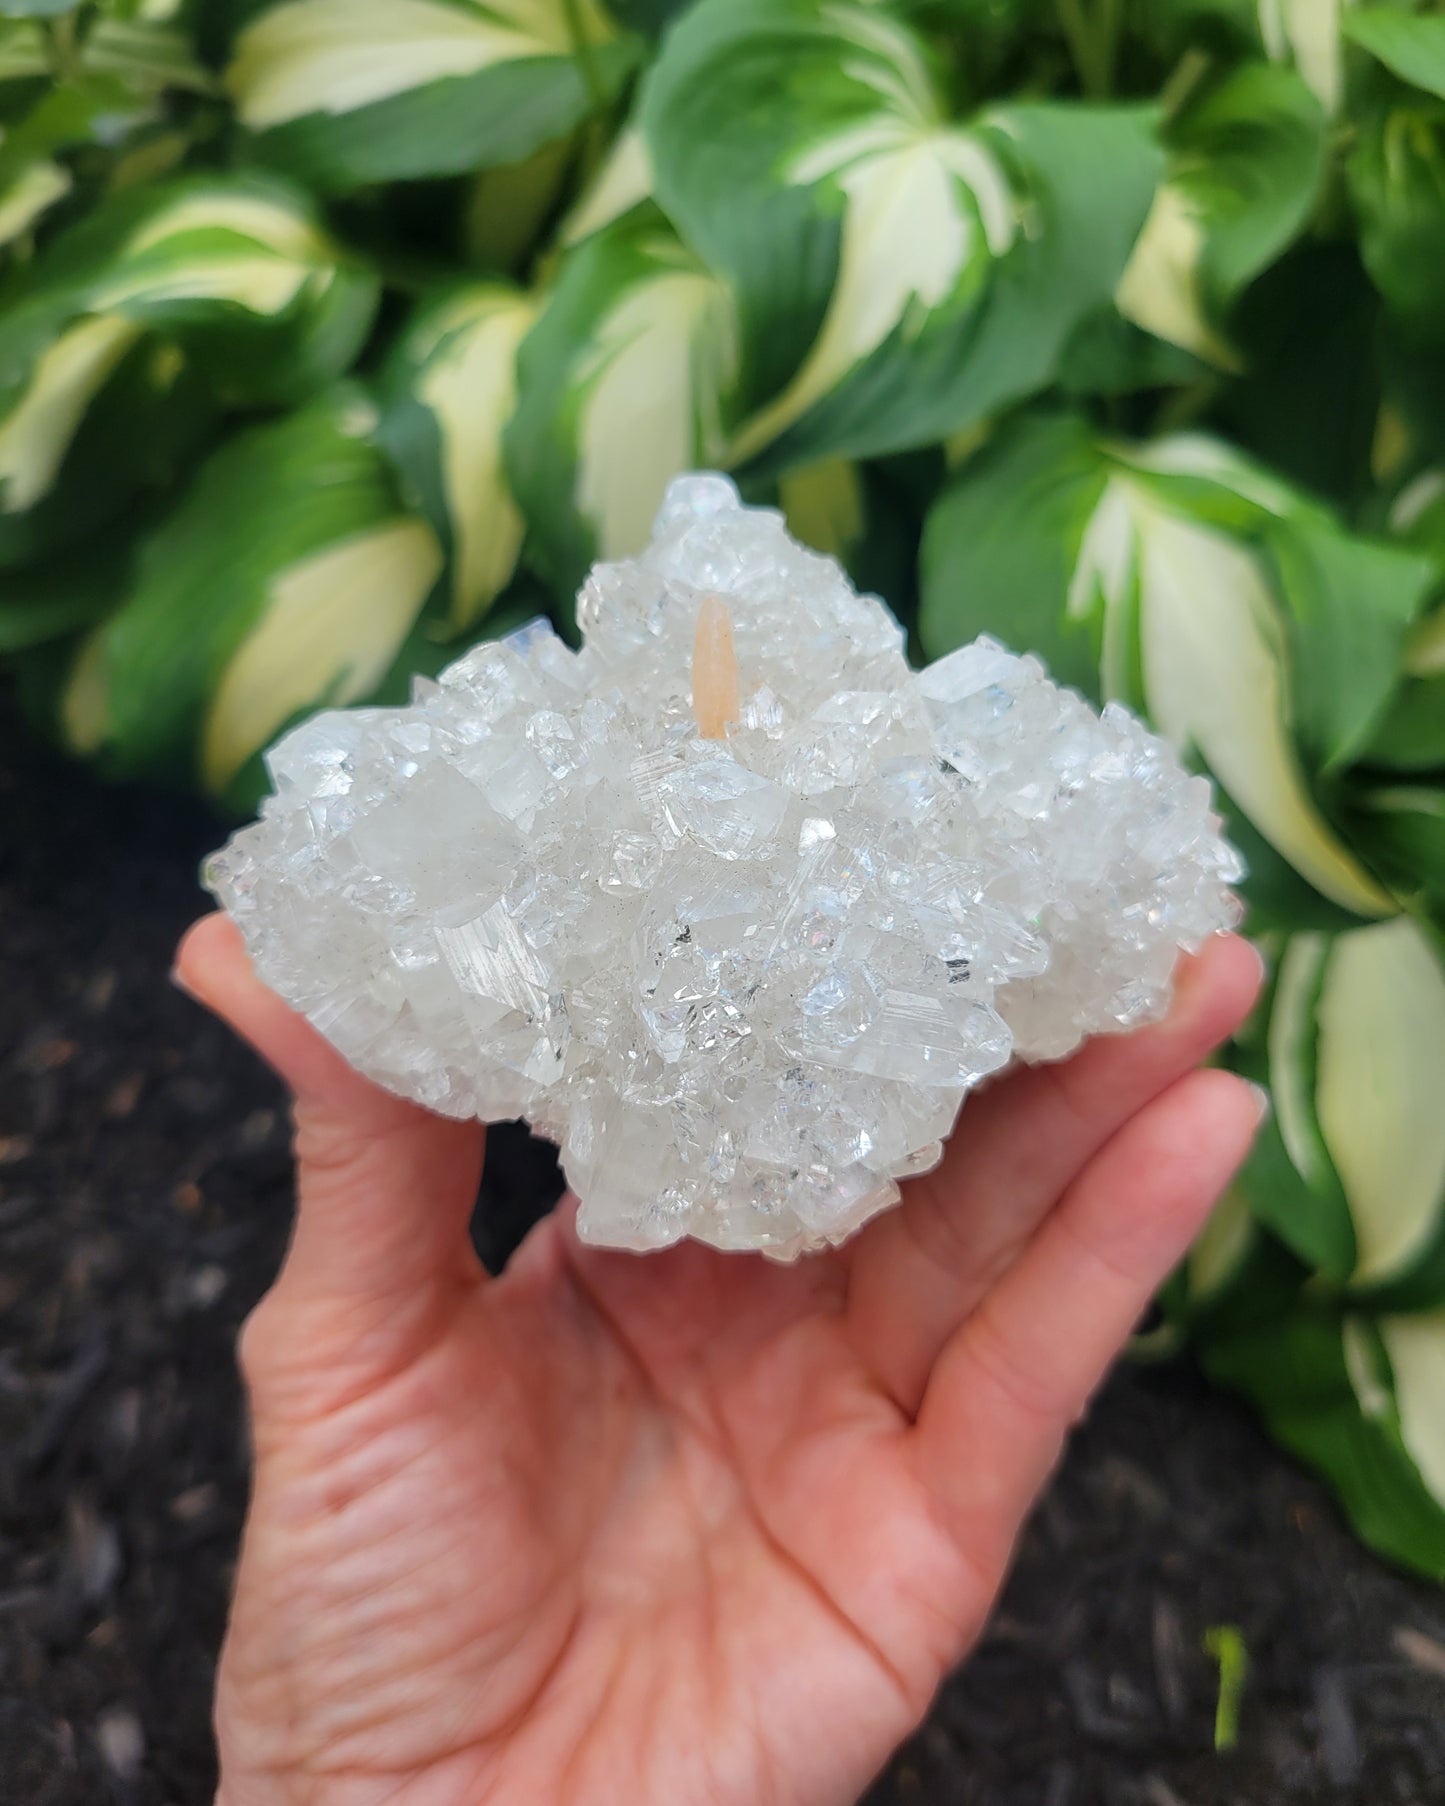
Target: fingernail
x=1262 y=1104
x=1259 y=960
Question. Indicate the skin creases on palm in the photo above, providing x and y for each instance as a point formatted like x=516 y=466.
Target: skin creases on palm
x=688 y=1527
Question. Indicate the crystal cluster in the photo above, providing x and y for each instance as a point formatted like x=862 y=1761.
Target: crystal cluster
x=747 y=982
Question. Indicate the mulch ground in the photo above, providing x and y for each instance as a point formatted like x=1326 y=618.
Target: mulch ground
x=144 y=1198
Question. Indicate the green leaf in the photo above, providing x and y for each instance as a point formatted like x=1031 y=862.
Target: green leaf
x=1308 y=402
x=104 y=420
x=1414 y=1345
x=1402 y=829
x=452 y=389
x=1411 y=736
x=1109 y=355
x=23 y=52
x=1247 y=159
x=67 y=114
x=1397 y=183
x=1003 y=542
x=149 y=55
x=1349 y=605
x=1153 y=574
x=1307 y=34
x=63 y=595
x=24 y=197
x=509 y=206
x=1411 y=45
x=824 y=506
x=1350 y=1171
x=618 y=391
x=1289 y=1179
x=36 y=9
x=287 y=577
x=938 y=268
x=1381 y=1077
x=232 y=275
x=348 y=92
x=1297 y=1370
x=621 y=182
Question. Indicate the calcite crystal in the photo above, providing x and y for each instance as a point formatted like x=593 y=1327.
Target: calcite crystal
x=745 y=981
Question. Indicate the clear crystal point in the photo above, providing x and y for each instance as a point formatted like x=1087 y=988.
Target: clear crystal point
x=747 y=981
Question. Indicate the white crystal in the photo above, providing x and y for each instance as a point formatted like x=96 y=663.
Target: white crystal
x=747 y=984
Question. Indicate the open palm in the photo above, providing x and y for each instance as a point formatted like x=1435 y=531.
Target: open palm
x=685 y=1528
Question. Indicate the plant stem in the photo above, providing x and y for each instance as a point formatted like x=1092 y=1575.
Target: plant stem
x=1183 y=79
x=1075 y=28
x=60 y=44
x=1093 y=40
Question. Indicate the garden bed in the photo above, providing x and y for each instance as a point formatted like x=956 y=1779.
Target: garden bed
x=143 y=1208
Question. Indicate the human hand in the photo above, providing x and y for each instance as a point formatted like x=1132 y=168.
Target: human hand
x=681 y=1529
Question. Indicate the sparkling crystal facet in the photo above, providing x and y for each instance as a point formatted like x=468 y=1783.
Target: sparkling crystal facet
x=747 y=981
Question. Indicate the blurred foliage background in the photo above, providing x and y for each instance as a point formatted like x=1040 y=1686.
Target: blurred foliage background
x=336 y=334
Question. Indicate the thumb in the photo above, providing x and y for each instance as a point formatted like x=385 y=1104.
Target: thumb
x=384 y=1188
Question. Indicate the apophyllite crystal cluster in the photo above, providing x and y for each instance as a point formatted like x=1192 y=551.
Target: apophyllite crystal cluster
x=732 y=903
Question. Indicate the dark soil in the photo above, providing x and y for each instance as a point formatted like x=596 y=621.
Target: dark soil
x=143 y=1207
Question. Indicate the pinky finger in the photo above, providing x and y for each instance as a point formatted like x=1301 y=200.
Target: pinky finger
x=1020 y=1371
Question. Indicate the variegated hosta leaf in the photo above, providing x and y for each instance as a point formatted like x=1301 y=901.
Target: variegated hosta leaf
x=332 y=625
x=1358 y=1398
x=1414 y=1347
x=345 y=92
x=898 y=273
x=1177 y=576
x=1307 y=33
x=287 y=577
x=1356 y=1068
x=27 y=195
x=232 y=276
x=452 y=391
x=1247 y=160
x=622 y=181
x=619 y=387
x=116 y=71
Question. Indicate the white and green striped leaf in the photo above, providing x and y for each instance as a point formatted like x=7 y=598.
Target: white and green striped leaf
x=24 y=197
x=1247 y=158
x=1355 y=1053
x=898 y=273
x=1358 y=1399
x=1307 y=33
x=622 y=181
x=453 y=390
x=332 y=625
x=1414 y=1345
x=229 y=280
x=619 y=389
x=287 y=577
x=347 y=92
x=1182 y=579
